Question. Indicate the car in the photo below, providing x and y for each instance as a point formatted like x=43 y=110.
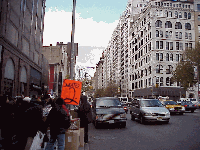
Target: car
x=125 y=106
x=189 y=106
x=149 y=110
x=108 y=110
x=173 y=107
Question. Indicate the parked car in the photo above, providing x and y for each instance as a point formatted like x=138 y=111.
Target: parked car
x=189 y=106
x=149 y=110
x=108 y=110
x=173 y=107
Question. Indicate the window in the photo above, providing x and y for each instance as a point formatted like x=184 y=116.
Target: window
x=198 y=7
x=186 y=45
x=161 y=33
x=157 y=56
x=170 y=14
x=178 y=25
x=171 y=57
x=161 y=56
x=180 y=35
x=177 y=45
x=190 y=36
x=176 y=35
x=158 y=23
x=186 y=35
x=177 y=57
x=157 y=33
x=167 y=45
x=185 y=15
x=190 y=45
x=171 y=46
x=189 y=15
x=180 y=15
x=168 y=24
x=176 y=14
x=161 y=44
x=198 y=17
x=166 y=34
x=199 y=28
x=157 y=44
x=181 y=46
x=188 y=26
x=167 y=57
x=170 y=34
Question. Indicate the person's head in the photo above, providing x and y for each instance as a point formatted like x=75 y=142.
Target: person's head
x=59 y=101
x=83 y=99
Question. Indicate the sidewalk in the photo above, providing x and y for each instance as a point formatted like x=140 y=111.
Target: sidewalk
x=86 y=147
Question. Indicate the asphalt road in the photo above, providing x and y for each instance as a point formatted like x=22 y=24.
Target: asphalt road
x=182 y=133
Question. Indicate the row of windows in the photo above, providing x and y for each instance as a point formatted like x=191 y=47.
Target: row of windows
x=184 y=15
x=169 y=45
x=159 y=81
x=174 y=5
x=168 y=24
x=178 y=35
x=169 y=57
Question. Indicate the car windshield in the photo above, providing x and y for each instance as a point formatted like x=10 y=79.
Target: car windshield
x=170 y=103
x=108 y=103
x=151 y=103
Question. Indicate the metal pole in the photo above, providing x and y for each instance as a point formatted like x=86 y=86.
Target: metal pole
x=198 y=82
x=72 y=42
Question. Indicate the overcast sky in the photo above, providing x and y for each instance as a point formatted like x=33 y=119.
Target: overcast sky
x=94 y=25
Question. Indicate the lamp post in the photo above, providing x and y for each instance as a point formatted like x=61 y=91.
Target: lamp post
x=72 y=43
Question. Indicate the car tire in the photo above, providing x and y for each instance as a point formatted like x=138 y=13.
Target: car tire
x=192 y=111
x=142 y=120
x=123 y=125
x=132 y=117
x=167 y=122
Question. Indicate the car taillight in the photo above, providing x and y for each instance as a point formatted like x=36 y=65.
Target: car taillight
x=125 y=107
x=195 y=105
x=185 y=105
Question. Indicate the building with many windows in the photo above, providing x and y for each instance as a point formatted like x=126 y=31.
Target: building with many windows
x=23 y=67
x=150 y=39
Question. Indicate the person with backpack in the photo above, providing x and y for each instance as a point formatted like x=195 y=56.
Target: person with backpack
x=59 y=121
x=85 y=115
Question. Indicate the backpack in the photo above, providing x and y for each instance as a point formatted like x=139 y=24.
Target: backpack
x=59 y=118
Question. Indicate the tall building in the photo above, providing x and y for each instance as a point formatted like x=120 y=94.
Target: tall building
x=152 y=35
x=59 y=64
x=21 y=37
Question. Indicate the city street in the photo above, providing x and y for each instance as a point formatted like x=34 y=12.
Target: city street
x=182 y=133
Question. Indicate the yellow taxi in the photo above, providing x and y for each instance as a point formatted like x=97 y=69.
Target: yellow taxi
x=173 y=107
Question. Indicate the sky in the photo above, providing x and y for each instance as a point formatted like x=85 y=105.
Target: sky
x=94 y=24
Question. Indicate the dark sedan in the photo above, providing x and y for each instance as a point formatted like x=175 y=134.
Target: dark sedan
x=189 y=106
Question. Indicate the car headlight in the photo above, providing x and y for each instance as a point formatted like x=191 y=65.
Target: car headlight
x=148 y=114
x=123 y=115
x=183 y=108
x=167 y=114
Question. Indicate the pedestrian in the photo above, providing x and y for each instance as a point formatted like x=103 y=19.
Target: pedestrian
x=85 y=115
x=28 y=120
x=59 y=121
x=7 y=121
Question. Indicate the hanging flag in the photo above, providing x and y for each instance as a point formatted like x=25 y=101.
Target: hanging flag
x=71 y=91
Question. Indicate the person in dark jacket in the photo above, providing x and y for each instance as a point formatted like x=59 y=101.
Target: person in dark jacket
x=58 y=121
x=85 y=115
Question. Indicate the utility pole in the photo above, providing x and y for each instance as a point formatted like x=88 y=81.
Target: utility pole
x=72 y=43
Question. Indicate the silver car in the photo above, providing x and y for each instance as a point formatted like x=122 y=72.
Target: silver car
x=149 y=110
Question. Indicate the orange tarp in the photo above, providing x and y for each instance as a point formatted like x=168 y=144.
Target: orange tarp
x=71 y=91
